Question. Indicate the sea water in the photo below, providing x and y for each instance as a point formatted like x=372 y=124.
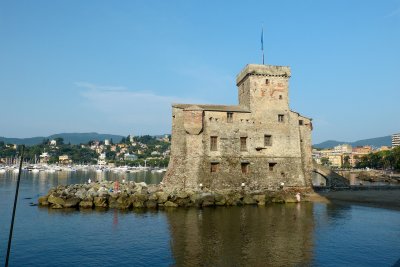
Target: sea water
x=304 y=234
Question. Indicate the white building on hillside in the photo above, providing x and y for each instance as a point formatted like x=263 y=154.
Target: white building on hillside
x=396 y=140
x=343 y=149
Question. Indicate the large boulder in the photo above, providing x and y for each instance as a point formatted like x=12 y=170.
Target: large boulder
x=170 y=204
x=112 y=201
x=86 y=204
x=278 y=198
x=207 y=199
x=249 y=200
x=260 y=199
x=183 y=202
x=71 y=202
x=100 y=202
x=92 y=192
x=290 y=199
x=138 y=200
x=220 y=199
x=182 y=194
x=151 y=204
x=81 y=193
x=162 y=197
x=233 y=199
x=142 y=184
x=123 y=202
x=182 y=199
x=196 y=199
x=153 y=196
x=43 y=201
x=54 y=199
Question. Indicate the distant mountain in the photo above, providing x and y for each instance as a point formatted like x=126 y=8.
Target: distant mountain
x=376 y=142
x=73 y=138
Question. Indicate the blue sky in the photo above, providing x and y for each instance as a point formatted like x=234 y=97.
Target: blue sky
x=116 y=66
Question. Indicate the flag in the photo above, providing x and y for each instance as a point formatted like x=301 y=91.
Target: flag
x=262 y=39
x=262 y=44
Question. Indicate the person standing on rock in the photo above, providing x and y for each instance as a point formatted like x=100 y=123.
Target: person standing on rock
x=116 y=186
x=298 y=197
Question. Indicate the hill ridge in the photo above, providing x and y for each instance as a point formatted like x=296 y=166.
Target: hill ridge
x=73 y=138
x=376 y=142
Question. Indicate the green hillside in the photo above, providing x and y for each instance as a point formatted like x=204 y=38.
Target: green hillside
x=73 y=138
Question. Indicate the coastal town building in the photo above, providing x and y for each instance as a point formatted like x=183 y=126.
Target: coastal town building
x=343 y=149
x=130 y=157
x=259 y=143
x=44 y=157
x=64 y=159
x=384 y=148
x=396 y=140
x=362 y=150
x=336 y=160
x=102 y=159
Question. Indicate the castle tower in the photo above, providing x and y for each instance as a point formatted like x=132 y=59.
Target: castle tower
x=264 y=89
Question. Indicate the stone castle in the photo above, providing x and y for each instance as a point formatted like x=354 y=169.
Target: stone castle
x=259 y=144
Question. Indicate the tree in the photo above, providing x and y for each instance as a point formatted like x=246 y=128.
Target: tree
x=59 y=140
x=346 y=162
x=325 y=161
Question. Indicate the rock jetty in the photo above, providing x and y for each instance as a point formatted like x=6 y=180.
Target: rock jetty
x=131 y=195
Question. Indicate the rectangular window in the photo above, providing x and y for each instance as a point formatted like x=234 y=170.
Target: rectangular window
x=271 y=166
x=300 y=122
x=267 y=140
x=229 y=117
x=214 y=167
x=214 y=143
x=266 y=81
x=243 y=143
x=281 y=117
x=245 y=167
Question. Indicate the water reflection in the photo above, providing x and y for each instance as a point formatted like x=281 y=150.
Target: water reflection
x=42 y=181
x=278 y=235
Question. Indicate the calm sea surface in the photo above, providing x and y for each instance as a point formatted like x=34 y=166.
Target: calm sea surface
x=276 y=235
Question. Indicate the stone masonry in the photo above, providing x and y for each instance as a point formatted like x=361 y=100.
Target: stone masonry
x=258 y=144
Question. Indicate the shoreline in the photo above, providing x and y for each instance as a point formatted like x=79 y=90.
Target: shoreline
x=387 y=199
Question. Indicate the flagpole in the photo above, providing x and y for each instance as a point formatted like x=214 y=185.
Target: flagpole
x=262 y=43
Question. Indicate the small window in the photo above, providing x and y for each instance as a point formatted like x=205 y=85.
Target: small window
x=266 y=81
x=214 y=167
x=271 y=166
x=301 y=122
x=245 y=167
x=243 y=143
x=229 y=117
x=267 y=140
x=281 y=117
x=280 y=97
x=214 y=143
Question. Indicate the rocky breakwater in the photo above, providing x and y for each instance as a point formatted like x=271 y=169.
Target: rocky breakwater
x=140 y=195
